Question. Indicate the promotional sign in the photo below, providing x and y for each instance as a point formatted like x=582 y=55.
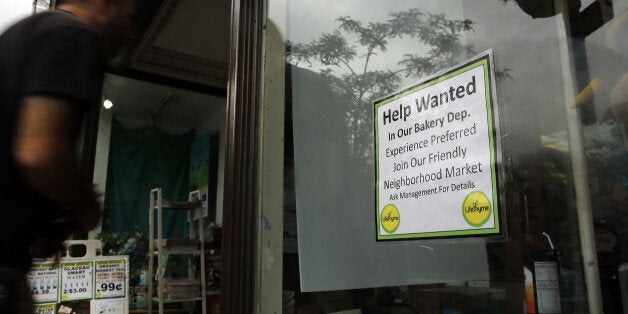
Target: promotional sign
x=43 y=279
x=76 y=281
x=45 y=308
x=110 y=279
x=436 y=154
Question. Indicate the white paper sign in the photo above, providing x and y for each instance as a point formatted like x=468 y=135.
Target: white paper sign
x=115 y=306
x=436 y=157
x=547 y=287
x=43 y=279
x=110 y=281
x=76 y=281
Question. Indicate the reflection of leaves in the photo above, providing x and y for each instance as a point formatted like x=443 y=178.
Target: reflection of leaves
x=437 y=32
x=372 y=37
x=347 y=65
x=501 y=74
x=414 y=65
x=329 y=49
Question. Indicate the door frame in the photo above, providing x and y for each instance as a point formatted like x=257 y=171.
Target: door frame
x=240 y=223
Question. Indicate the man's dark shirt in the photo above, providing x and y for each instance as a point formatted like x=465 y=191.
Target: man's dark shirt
x=52 y=54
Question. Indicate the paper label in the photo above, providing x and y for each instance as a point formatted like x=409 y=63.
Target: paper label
x=76 y=281
x=43 y=279
x=45 y=308
x=110 y=279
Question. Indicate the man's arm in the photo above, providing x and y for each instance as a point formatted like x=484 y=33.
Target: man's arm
x=43 y=149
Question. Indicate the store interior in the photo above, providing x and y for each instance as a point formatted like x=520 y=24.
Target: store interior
x=161 y=126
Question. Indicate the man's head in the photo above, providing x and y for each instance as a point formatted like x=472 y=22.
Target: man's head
x=112 y=19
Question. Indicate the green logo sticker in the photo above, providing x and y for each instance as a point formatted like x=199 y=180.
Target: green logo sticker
x=390 y=218
x=476 y=209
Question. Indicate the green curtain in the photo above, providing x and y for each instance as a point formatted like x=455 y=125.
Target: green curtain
x=140 y=160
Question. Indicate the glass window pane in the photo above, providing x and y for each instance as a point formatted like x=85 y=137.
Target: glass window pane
x=560 y=80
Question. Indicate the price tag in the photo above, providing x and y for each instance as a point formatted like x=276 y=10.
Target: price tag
x=45 y=308
x=110 y=279
x=76 y=281
x=43 y=280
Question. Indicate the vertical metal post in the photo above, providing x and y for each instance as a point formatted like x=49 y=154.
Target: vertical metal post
x=191 y=259
x=201 y=237
x=578 y=161
x=151 y=245
x=160 y=271
x=241 y=215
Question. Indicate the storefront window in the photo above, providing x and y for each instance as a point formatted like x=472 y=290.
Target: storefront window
x=560 y=81
x=155 y=136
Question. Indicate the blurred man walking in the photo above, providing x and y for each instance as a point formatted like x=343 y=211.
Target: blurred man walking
x=51 y=71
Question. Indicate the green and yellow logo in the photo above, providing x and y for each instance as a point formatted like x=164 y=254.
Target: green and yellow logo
x=476 y=209
x=390 y=218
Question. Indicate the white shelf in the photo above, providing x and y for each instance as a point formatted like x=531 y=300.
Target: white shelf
x=165 y=204
x=156 y=299
x=183 y=247
x=178 y=252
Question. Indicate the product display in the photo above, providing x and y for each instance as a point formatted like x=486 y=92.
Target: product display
x=78 y=284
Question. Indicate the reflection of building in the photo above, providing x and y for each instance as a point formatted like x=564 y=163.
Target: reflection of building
x=42 y=5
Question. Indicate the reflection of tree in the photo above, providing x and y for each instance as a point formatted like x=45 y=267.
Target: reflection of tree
x=348 y=66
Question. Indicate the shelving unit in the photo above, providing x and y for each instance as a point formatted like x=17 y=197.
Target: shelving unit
x=194 y=246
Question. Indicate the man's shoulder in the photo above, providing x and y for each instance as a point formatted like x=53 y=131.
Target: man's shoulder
x=59 y=18
x=48 y=21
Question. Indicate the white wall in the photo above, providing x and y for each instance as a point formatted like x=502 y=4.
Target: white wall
x=101 y=161
x=217 y=124
x=13 y=10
